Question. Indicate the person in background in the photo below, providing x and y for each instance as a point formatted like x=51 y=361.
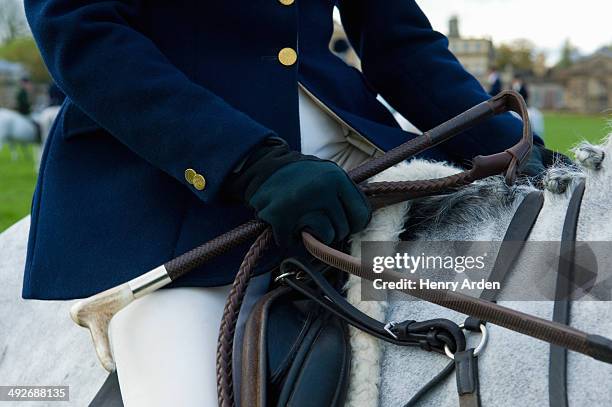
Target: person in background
x=495 y=83
x=520 y=86
x=22 y=97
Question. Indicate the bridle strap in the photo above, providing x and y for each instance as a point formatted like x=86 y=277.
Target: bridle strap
x=516 y=235
x=557 y=367
x=514 y=239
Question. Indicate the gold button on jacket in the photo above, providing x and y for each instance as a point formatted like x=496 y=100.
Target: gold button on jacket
x=199 y=182
x=287 y=56
x=189 y=174
x=286 y=2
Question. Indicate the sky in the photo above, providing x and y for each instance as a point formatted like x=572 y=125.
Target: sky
x=547 y=23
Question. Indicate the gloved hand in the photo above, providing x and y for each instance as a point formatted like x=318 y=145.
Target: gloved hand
x=540 y=159
x=293 y=192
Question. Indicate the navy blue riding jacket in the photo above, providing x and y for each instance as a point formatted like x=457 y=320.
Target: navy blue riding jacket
x=155 y=87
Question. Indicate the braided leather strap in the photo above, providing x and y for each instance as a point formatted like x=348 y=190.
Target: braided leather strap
x=225 y=343
x=213 y=248
x=426 y=185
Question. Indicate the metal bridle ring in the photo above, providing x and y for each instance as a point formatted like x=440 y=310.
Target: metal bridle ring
x=481 y=345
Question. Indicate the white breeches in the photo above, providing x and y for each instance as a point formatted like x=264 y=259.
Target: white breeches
x=164 y=345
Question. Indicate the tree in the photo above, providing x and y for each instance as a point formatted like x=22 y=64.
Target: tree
x=24 y=51
x=540 y=67
x=568 y=54
x=518 y=54
x=13 y=24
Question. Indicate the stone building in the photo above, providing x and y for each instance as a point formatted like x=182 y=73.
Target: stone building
x=545 y=93
x=588 y=83
x=477 y=55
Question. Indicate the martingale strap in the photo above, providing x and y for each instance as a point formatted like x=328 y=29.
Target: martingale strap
x=557 y=368
x=466 y=365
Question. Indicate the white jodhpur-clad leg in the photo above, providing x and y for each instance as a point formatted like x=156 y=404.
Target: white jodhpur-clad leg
x=164 y=346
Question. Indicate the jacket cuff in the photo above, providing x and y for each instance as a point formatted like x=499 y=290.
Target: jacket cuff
x=205 y=173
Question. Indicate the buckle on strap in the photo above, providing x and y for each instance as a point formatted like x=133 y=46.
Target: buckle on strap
x=389 y=328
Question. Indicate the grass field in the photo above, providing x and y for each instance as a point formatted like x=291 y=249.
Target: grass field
x=17 y=181
x=564 y=130
x=17 y=178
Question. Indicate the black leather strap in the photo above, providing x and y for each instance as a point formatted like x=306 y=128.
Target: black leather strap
x=514 y=240
x=444 y=373
x=430 y=335
x=557 y=367
x=466 y=367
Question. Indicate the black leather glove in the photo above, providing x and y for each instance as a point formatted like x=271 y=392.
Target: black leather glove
x=540 y=159
x=293 y=192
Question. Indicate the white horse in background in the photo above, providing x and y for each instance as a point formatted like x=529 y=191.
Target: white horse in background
x=19 y=131
x=45 y=120
x=40 y=344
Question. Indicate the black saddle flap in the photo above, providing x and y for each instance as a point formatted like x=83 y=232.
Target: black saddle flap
x=294 y=353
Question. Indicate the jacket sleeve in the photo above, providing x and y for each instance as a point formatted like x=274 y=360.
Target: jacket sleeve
x=409 y=64
x=123 y=82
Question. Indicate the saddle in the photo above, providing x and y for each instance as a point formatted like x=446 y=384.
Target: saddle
x=294 y=353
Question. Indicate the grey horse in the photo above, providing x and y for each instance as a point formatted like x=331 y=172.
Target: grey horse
x=39 y=343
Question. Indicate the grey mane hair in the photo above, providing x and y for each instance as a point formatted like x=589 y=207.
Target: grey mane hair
x=561 y=177
x=478 y=202
x=489 y=198
x=590 y=156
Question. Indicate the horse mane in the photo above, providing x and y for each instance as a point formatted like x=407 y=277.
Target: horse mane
x=479 y=202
